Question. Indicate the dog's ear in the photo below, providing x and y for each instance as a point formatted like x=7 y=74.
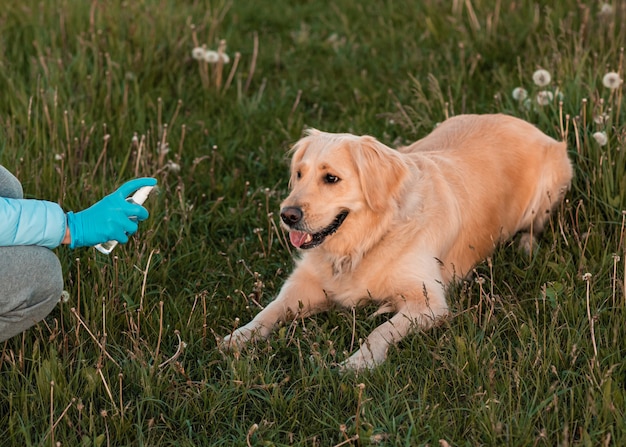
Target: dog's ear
x=382 y=172
x=311 y=131
x=297 y=153
x=299 y=149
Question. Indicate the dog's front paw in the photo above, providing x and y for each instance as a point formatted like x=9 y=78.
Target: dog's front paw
x=237 y=340
x=363 y=359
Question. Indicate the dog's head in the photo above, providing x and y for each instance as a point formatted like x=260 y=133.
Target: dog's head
x=338 y=183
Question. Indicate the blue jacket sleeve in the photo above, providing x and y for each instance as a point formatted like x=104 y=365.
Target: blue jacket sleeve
x=31 y=222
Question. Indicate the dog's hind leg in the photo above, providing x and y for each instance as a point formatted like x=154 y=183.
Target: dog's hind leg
x=528 y=238
x=549 y=195
x=421 y=312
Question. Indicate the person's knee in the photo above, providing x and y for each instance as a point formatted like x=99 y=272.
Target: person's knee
x=33 y=287
x=10 y=186
x=50 y=278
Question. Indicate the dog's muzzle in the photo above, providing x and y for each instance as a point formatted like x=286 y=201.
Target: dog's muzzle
x=292 y=216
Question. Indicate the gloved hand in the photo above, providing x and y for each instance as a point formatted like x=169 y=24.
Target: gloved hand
x=112 y=218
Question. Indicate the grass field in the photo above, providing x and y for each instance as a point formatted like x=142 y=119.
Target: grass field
x=97 y=92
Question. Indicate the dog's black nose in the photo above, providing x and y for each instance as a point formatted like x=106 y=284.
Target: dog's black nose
x=291 y=215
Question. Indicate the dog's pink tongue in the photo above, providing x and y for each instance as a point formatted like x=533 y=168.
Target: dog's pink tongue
x=298 y=238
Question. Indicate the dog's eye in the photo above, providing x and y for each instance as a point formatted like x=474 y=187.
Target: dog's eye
x=329 y=178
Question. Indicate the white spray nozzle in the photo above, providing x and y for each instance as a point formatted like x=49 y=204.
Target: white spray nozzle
x=141 y=194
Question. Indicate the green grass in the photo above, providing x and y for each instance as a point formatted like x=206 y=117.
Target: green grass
x=534 y=353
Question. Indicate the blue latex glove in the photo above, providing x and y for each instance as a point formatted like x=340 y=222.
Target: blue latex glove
x=112 y=218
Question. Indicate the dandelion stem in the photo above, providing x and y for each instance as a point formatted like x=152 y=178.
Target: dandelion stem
x=587 y=278
x=357 y=418
x=179 y=350
x=255 y=53
x=251 y=431
x=106 y=386
x=52 y=413
x=82 y=323
x=233 y=70
x=156 y=353
x=121 y=377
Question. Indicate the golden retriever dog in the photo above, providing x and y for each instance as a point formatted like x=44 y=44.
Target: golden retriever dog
x=394 y=227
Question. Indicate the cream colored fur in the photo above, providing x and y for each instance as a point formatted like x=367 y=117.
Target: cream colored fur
x=419 y=217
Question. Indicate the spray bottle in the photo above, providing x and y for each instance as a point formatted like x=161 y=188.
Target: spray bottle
x=138 y=197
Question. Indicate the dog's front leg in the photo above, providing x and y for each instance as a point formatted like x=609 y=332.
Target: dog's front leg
x=301 y=295
x=418 y=312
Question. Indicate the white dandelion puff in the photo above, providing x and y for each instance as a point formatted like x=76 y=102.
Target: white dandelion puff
x=606 y=10
x=198 y=53
x=601 y=138
x=211 y=56
x=544 y=97
x=163 y=148
x=542 y=77
x=612 y=80
x=172 y=167
x=59 y=157
x=65 y=296
x=519 y=93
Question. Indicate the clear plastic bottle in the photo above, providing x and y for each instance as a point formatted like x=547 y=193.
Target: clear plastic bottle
x=138 y=197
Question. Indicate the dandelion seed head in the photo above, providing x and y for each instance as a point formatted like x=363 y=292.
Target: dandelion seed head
x=172 y=167
x=65 y=296
x=544 y=97
x=606 y=10
x=587 y=276
x=211 y=56
x=542 y=77
x=600 y=138
x=612 y=80
x=163 y=148
x=519 y=93
x=58 y=157
x=198 y=53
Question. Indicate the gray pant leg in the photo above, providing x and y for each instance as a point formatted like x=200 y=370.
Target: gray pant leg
x=31 y=282
x=10 y=187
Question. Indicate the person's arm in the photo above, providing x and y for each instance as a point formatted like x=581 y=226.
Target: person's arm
x=31 y=222
x=39 y=222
